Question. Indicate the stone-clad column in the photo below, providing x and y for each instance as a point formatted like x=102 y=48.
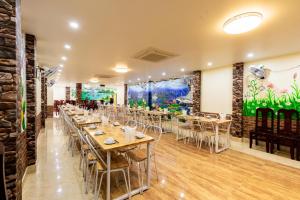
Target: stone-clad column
x=237 y=99
x=78 y=92
x=125 y=94
x=68 y=93
x=31 y=100
x=12 y=96
x=196 y=91
x=43 y=99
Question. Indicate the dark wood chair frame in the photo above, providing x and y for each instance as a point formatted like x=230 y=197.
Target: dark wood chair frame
x=263 y=132
x=287 y=136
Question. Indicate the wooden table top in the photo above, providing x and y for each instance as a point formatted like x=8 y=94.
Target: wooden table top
x=86 y=121
x=116 y=133
x=204 y=119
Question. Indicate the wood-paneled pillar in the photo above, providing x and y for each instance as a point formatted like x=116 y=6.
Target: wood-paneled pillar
x=125 y=94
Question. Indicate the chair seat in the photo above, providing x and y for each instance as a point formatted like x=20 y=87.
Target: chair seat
x=85 y=147
x=137 y=155
x=91 y=157
x=126 y=149
x=117 y=162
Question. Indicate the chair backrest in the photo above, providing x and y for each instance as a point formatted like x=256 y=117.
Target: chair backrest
x=155 y=132
x=285 y=120
x=140 y=127
x=93 y=147
x=131 y=123
x=264 y=119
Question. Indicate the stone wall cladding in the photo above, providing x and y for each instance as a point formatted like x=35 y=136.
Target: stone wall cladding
x=78 y=92
x=237 y=99
x=31 y=100
x=68 y=93
x=196 y=91
x=10 y=98
x=50 y=111
x=125 y=94
x=43 y=93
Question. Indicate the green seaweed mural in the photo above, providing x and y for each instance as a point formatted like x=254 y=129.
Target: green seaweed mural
x=259 y=96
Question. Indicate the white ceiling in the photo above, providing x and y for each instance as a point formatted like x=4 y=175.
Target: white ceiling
x=113 y=31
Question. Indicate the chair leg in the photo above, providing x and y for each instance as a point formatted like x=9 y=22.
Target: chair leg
x=292 y=151
x=251 y=141
x=154 y=157
x=129 y=184
x=267 y=145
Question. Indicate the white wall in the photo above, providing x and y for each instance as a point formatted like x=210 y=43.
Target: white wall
x=216 y=94
x=120 y=92
x=281 y=72
x=50 y=101
x=59 y=92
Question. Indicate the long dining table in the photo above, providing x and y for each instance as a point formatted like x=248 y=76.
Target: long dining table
x=122 y=141
x=217 y=123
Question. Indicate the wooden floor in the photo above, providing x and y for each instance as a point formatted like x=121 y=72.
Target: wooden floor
x=188 y=173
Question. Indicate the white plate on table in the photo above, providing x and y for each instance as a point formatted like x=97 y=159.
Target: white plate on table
x=99 y=132
x=116 y=124
x=110 y=140
x=139 y=135
x=93 y=126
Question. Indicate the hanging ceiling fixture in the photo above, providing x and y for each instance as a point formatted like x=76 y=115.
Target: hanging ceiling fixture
x=243 y=23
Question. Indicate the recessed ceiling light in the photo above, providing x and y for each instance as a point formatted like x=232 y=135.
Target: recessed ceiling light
x=182 y=69
x=94 y=80
x=67 y=46
x=243 y=23
x=74 y=25
x=121 y=68
x=164 y=73
x=129 y=81
x=250 y=55
x=60 y=70
x=209 y=64
x=149 y=77
x=64 y=58
x=61 y=65
x=138 y=79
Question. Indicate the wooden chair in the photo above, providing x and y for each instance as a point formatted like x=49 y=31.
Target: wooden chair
x=264 y=127
x=140 y=155
x=287 y=134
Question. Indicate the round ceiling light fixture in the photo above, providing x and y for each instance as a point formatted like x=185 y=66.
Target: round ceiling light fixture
x=94 y=80
x=121 y=68
x=243 y=23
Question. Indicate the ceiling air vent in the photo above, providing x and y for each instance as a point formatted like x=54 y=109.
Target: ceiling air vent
x=100 y=76
x=153 y=55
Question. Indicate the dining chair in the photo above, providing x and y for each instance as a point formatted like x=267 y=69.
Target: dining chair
x=264 y=127
x=288 y=131
x=139 y=156
x=118 y=164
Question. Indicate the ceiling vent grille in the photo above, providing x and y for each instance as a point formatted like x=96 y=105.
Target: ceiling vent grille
x=100 y=76
x=153 y=55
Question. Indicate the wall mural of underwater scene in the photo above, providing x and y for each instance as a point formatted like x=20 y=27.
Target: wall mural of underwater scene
x=97 y=93
x=271 y=89
x=172 y=94
x=138 y=95
x=175 y=94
